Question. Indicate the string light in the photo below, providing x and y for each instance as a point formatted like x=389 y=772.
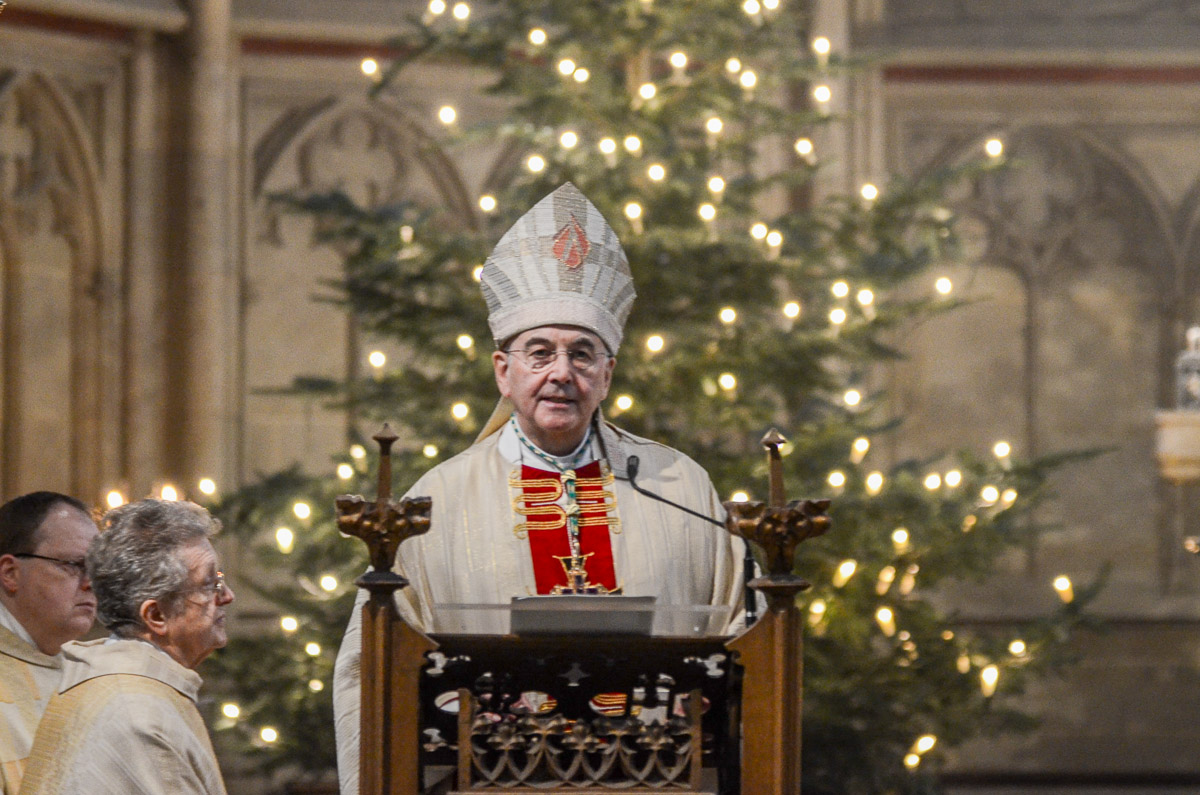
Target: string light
x=607 y=145
x=900 y=539
x=837 y=316
x=465 y=342
x=537 y=37
x=624 y=402
x=316 y=685
x=733 y=66
x=748 y=79
x=230 y=710
x=988 y=678
x=816 y=611
x=911 y=761
x=369 y=66
x=477 y=273
x=791 y=310
x=804 y=147
x=345 y=471
x=886 y=620
x=1008 y=496
x=924 y=744
x=989 y=495
x=727 y=315
x=874 y=483
x=909 y=580
x=758 y=231
x=302 y=510
x=716 y=184
x=752 y=7
x=437 y=7
x=994 y=147
x=1062 y=584
x=268 y=734
x=727 y=381
x=459 y=411
x=865 y=297
x=859 y=448
x=312 y=649
x=328 y=583
x=289 y=624
x=377 y=359
x=656 y=172
x=869 y=192
x=285 y=539
x=714 y=125
x=836 y=478
x=581 y=75
x=822 y=94
x=739 y=496
x=933 y=481
x=969 y=522
x=1017 y=648
x=633 y=211
x=845 y=571
x=536 y=163
x=429 y=451
x=852 y=397
x=447 y=115
x=568 y=139
x=487 y=203
x=887 y=575
x=632 y=144
x=840 y=289
x=774 y=238
x=821 y=45
x=358 y=451
x=953 y=478
x=679 y=60
x=565 y=67
x=114 y=499
x=647 y=90
x=655 y=343
x=944 y=286
x=168 y=493
x=1002 y=449
x=461 y=11
x=963 y=663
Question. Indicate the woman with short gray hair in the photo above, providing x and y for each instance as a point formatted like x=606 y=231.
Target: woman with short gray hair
x=124 y=721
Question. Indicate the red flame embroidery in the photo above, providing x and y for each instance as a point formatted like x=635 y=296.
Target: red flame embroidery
x=571 y=245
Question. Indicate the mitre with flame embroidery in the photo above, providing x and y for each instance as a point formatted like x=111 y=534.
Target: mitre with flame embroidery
x=560 y=264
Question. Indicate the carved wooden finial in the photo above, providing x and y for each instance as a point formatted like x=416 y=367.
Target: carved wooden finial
x=773 y=441
x=383 y=524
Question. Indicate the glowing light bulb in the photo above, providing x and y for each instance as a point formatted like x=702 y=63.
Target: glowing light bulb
x=655 y=343
x=536 y=164
x=369 y=66
x=774 y=239
x=302 y=510
x=989 y=494
x=739 y=496
x=988 y=678
x=459 y=411
x=924 y=743
x=647 y=90
x=840 y=289
x=852 y=397
x=963 y=663
x=537 y=37
x=728 y=315
x=316 y=685
x=477 y=273
x=836 y=478
x=328 y=583
x=911 y=761
x=933 y=481
x=679 y=60
x=465 y=342
x=656 y=172
x=437 y=7
x=953 y=478
x=607 y=145
x=169 y=493
x=727 y=381
x=752 y=7
x=114 y=499
x=461 y=11
x=886 y=620
x=566 y=66
x=874 y=483
x=633 y=210
x=1002 y=450
x=268 y=734
x=900 y=539
x=285 y=539
x=207 y=486
x=994 y=147
x=944 y=286
x=568 y=139
x=377 y=359
x=804 y=147
x=733 y=66
x=837 y=316
x=887 y=575
x=716 y=184
x=1062 y=584
x=707 y=211
x=822 y=94
x=1008 y=496
x=624 y=402
x=632 y=143
x=312 y=649
x=289 y=624
x=358 y=451
x=821 y=45
x=430 y=451
x=869 y=192
x=845 y=571
x=791 y=310
x=1017 y=648
x=345 y=471
x=230 y=710
x=818 y=607
x=748 y=79
x=714 y=125
x=447 y=115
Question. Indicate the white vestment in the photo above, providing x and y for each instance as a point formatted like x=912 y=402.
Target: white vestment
x=124 y=722
x=28 y=678
x=471 y=553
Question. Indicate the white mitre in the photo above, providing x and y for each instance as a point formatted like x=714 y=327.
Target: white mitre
x=561 y=263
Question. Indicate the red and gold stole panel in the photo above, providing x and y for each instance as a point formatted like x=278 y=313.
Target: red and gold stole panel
x=536 y=496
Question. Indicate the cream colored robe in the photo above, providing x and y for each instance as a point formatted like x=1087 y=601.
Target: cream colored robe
x=124 y=722
x=28 y=679
x=471 y=554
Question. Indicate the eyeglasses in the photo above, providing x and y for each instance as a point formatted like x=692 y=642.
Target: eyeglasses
x=216 y=588
x=539 y=357
x=76 y=568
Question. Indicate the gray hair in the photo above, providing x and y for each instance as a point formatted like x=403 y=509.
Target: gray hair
x=136 y=557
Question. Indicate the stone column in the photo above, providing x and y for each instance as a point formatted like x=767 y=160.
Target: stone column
x=208 y=258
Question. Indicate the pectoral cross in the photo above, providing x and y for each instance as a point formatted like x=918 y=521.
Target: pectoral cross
x=577 y=578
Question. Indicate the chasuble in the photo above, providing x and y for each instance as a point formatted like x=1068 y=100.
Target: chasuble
x=28 y=679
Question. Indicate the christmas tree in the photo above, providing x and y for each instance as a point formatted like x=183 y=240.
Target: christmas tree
x=691 y=125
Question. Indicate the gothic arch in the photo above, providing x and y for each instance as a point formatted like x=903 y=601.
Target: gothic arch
x=50 y=186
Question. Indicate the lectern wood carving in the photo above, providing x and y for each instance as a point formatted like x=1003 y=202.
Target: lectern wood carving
x=750 y=684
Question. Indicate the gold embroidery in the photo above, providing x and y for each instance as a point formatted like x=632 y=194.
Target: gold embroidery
x=524 y=504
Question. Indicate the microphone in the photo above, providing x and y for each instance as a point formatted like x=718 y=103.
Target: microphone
x=632 y=464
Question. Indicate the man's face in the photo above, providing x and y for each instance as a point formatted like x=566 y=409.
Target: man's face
x=53 y=599
x=195 y=626
x=555 y=402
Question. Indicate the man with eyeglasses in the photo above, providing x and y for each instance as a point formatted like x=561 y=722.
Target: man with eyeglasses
x=543 y=502
x=124 y=720
x=45 y=601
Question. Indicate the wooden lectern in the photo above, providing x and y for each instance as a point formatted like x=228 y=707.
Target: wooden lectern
x=582 y=713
